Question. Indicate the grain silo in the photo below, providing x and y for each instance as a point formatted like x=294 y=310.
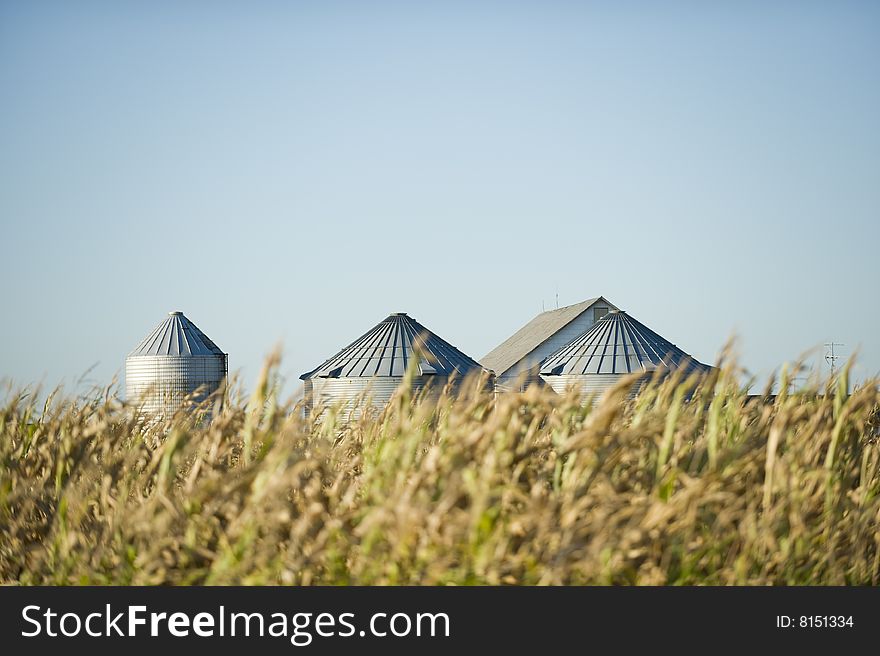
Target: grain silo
x=175 y=361
x=615 y=346
x=372 y=367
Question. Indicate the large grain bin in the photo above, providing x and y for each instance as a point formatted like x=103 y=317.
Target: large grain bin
x=175 y=361
x=615 y=346
x=370 y=369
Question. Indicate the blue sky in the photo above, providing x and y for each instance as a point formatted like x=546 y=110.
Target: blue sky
x=293 y=172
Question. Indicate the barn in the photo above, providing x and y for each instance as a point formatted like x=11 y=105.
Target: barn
x=516 y=360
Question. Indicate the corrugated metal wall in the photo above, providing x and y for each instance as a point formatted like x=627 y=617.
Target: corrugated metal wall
x=352 y=393
x=161 y=382
x=515 y=383
x=591 y=386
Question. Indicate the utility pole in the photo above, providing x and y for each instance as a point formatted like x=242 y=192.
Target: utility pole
x=830 y=356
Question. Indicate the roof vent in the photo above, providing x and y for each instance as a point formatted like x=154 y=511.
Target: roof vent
x=333 y=373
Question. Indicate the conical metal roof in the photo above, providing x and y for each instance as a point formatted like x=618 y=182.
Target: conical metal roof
x=389 y=347
x=176 y=335
x=617 y=344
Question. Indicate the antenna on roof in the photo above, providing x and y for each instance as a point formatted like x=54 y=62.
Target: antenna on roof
x=557 y=296
x=830 y=356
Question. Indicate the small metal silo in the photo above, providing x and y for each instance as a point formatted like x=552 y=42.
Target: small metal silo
x=174 y=362
x=370 y=369
x=615 y=346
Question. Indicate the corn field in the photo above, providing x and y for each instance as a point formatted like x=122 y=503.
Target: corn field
x=692 y=482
